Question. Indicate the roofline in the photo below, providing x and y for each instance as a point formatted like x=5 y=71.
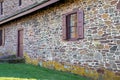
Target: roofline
x=28 y=11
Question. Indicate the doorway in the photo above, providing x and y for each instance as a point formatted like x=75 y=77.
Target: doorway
x=20 y=43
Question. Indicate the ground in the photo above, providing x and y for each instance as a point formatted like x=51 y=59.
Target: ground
x=30 y=72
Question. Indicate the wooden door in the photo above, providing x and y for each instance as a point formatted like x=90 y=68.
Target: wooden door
x=20 y=43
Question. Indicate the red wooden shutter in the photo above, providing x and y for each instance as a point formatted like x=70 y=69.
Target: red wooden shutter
x=0 y=37
x=64 y=28
x=80 y=24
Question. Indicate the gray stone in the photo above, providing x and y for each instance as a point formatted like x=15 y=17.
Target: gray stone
x=109 y=54
x=114 y=66
x=98 y=56
x=113 y=49
x=117 y=53
x=111 y=58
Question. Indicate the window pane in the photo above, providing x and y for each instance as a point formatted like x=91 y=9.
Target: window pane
x=73 y=25
x=73 y=35
x=73 y=19
x=73 y=32
x=73 y=29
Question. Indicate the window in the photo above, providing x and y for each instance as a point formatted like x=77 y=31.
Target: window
x=20 y=2
x=118 y=5
x=73 y=25
x=1 y=37
x=1 y=8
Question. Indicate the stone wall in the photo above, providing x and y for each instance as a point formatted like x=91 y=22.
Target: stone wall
x=95 y=56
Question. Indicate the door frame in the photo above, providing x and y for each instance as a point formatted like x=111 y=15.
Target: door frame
x=18 y=37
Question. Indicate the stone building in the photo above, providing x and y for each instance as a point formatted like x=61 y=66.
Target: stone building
x=78 y=36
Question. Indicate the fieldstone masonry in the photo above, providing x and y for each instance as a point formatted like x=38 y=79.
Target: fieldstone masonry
x=100 y=48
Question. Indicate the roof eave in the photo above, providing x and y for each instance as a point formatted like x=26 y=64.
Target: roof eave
x=28 y=11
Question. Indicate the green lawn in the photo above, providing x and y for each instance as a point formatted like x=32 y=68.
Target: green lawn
x=30 y=72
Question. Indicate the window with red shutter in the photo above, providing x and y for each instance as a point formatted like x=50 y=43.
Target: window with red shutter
x=20 y=2
x=118 y=5
x=73 y=25
x=1 y=8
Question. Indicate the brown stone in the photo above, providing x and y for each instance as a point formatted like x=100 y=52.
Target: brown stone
x=104 y=51
x=83 y=52
x=118 y=27
x=91 y=46
x=95 y=60
x=106 y=6
x=95 y=12
x=100 y=33
x=104 y=28
x=89 y=61
x=118 y=64
x=105 y=35
x=118 y=41
x=117 y=61
x=117 y=37
x=113 y=2
x=110 y=37
x=106 y=47
x=108 y=22
x=74 y=49
x=91 y=20
x=90 y=54
x=94 y=28
x=85 y=64
x=1 y=0
x=62 y=50
x=101 y=71
x=95 y=31
x=105 y=16
x=107 y=64
x=89 y=2
x=99 y=46
x=117 y=73
x=111 y=44
x=106 y=41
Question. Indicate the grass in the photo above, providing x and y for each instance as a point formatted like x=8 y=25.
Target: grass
x=30 y=72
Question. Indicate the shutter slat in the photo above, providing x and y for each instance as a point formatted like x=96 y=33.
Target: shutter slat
x=64 y=28
x=80 y=24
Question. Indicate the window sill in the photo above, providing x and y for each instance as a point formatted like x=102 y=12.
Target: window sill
x=75 y=39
